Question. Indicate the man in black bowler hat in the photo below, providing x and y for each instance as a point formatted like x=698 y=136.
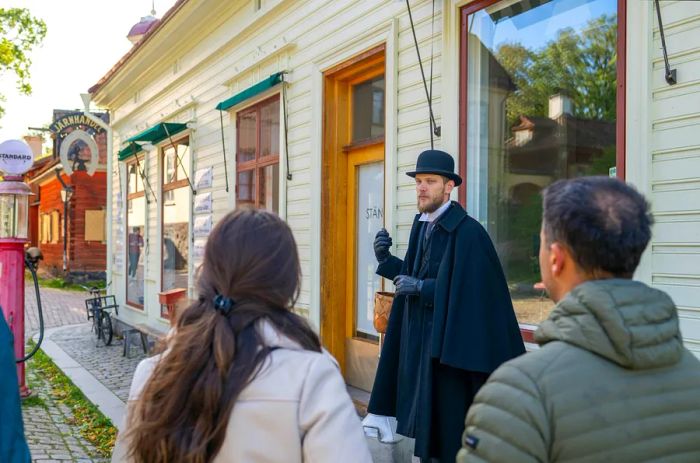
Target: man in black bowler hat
x=452 y=321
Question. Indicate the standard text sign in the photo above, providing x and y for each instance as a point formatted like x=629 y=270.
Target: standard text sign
x=16 y=157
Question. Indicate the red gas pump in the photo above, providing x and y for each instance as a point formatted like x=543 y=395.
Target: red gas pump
x=16 y=158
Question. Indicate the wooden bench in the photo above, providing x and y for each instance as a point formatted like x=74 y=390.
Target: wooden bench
x=143 y=331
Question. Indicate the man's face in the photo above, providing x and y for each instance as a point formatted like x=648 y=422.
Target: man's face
x=432 y=191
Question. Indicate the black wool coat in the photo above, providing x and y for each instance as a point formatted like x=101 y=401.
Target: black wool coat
x=448 y=339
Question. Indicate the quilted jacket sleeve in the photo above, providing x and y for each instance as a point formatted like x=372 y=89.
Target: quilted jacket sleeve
x=507 y=421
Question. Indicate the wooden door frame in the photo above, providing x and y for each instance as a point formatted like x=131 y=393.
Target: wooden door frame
x=367 y=154
x=337 y=135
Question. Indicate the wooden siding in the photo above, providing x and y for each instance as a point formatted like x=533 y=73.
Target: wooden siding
x=89 y=193
x=214 y=49
x=674 y=180
x=240 y=49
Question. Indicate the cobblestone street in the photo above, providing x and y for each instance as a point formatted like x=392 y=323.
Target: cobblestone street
x=47 y=427
x=60 y=308
x=48 y=424
x=105 y=363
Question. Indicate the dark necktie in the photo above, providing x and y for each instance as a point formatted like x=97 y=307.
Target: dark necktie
x=429 y=229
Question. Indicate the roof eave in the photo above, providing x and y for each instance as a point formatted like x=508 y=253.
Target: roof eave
x=140 y=44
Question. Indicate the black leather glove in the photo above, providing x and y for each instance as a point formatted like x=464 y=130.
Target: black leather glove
x=407 y=286
x=382 y=243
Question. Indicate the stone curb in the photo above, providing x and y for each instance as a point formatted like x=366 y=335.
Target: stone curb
x=96 y=392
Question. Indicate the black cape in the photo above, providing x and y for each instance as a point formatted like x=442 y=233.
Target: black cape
x=442 y=345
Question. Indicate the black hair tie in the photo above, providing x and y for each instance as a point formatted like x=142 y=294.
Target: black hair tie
x=223 y=304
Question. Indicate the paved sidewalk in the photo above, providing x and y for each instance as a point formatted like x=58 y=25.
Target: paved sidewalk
x=105 y=363
x=49 y=428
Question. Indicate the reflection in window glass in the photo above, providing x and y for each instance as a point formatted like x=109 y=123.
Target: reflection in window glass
x=368 y=109
x=541 y=90
x=257 y=177
x=245 y=187
x=247 y=136
x=176 y=239
x=169 y=165
x=134 y=180
x=176 y=168
x=269 y=187
x=183 y=165
x=270 y=128
x=135 y=238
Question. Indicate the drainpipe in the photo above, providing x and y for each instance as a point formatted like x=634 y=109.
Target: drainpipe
x=108 y=216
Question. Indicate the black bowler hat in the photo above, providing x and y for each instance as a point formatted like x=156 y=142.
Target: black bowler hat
x=436 y=162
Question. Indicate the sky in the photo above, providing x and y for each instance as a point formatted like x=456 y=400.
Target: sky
x=84 y=39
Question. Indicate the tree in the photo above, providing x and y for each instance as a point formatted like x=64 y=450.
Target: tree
x=20 y=32
x=584 y=65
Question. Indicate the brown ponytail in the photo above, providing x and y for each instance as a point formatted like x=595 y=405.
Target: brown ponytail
x=183 y=411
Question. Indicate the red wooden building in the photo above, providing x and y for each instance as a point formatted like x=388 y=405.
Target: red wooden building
x=67 y=211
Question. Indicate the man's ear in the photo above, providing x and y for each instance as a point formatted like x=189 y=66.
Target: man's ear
x=449 y=186
x=558 y=255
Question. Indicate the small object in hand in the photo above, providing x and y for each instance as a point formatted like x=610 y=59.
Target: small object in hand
x=382 y=310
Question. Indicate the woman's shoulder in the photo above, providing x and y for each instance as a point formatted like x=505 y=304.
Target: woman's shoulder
x=292 y=367
x=143 y=372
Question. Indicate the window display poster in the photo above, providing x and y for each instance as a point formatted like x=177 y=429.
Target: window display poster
x=199 y=245
x=118 y=261
x=202 y=225
x=203 y=178
x=202 y=203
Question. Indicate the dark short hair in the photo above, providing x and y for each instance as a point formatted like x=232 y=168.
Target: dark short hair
x=605 y=223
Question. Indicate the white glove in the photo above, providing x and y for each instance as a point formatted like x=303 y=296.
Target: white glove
x=379 y=427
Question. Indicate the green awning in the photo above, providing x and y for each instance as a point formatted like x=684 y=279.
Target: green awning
x=250 y=92
x=130 y=150
x=152 y=135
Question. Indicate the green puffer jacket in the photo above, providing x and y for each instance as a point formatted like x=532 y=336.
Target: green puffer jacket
x=612 y=383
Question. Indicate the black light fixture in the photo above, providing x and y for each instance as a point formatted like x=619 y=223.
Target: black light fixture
x=669 y=74
x=66 y=193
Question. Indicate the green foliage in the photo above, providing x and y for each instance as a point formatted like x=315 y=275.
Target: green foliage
x=523 y=231
x=583 y=65
x=60 y=283
x=33 y=401
x=93 y=425
x=20 y=32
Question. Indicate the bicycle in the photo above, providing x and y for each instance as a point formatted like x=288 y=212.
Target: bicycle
x=97 y=307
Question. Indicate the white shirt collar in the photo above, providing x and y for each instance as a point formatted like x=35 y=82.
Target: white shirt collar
x=433 y=216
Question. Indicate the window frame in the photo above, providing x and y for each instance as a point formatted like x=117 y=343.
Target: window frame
x=259 y=162
x=172 y=186
x=528 y=330
x=136 y=161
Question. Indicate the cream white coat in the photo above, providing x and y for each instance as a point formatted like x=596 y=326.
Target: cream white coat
x=296 y=410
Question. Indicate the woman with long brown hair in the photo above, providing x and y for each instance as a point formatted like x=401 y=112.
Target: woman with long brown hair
x=242 y=378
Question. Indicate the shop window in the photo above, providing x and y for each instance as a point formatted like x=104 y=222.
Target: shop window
x=368 y=109
x=176 y=215
x=540 y=104
x=135 y=233
x=257 y=155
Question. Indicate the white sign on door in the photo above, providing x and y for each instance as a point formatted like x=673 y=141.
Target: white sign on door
x=369 y=220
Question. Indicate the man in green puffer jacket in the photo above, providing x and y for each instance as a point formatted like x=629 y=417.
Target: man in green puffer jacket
x=612 y=381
